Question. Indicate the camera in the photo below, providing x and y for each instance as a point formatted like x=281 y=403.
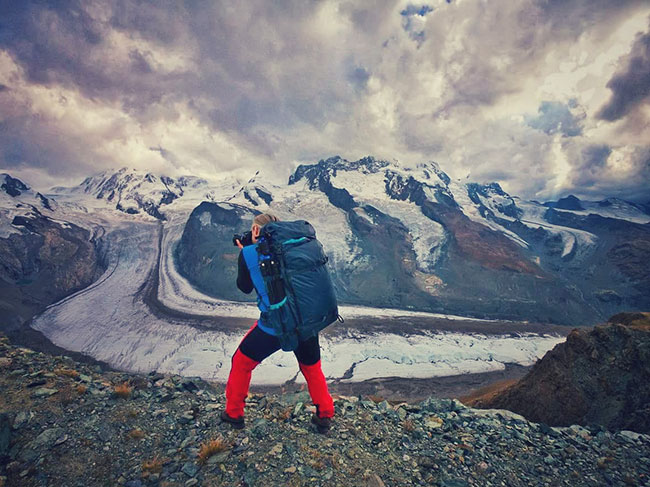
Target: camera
x=245 y=239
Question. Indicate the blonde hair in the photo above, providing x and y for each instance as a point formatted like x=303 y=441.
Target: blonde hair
x=265 y=218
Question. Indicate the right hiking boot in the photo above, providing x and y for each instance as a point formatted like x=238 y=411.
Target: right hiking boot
x=322 y=424
x=236 y=423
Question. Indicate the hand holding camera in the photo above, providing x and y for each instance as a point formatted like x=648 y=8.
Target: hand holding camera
x=242 y=240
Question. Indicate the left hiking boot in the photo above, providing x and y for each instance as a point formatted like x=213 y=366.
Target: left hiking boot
x=236 y=423
x=322 y=424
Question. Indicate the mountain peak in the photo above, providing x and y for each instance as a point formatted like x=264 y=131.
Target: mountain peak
x=12 y=186
x=368 y=164
x=570 y=202
x=430 y=167
x=133 y=190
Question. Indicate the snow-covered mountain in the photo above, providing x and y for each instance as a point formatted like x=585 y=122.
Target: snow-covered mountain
x=416 y=238
x=17 y=199
x=42 y=257
x=409 y=238
x=133 y=191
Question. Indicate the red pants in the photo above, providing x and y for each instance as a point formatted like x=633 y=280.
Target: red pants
x=255 y=347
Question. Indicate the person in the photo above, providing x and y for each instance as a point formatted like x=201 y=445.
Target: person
x=259 y=343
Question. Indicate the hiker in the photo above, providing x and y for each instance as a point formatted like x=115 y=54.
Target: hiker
x=262 y=340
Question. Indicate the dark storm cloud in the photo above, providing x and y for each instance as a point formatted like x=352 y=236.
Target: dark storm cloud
x=596 y=155
x=49 y=40
x=595 y=173
x=631 y=86
x=24 y=138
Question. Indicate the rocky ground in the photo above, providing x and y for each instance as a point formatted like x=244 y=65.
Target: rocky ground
x=63 y=423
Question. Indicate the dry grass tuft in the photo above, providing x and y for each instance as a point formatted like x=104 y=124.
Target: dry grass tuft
x=316 y=459
x=65 y=396
x=67 y=373
x=123 y=390
x=81 y=389
x=211 y=447
x=136 y=434
x=154 y=465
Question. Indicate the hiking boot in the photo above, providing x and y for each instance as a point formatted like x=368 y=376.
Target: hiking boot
x=322 y=424
x=236 y=423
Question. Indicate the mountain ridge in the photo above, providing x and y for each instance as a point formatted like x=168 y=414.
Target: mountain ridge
x=444 y=231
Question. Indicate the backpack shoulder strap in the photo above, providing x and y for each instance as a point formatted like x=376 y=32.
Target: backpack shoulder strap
x=251 y=257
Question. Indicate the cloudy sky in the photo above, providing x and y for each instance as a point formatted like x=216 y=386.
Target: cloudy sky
x=547 y=97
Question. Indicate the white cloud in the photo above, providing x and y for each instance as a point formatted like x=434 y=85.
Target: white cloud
x=220 y=87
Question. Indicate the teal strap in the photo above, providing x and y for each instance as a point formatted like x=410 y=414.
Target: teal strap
x=278 y=305
x=294 y=240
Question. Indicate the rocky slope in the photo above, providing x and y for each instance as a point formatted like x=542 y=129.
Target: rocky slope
x=42 y=258
x=67 y=424
x=598 y=376
x=431 y=243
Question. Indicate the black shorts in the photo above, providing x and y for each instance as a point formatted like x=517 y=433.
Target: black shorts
x=258 y=345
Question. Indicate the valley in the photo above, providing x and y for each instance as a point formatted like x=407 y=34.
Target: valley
x=441 y=291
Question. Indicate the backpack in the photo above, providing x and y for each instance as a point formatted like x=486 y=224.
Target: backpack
x=295 y=293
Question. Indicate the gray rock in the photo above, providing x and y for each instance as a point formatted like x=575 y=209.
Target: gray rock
x=105 y=434
x=186 y=417
x=43 y=442
x=49 y=438
x=189 y=385
x=374 y=481
x=218 y=458
x=630 y=436
x=44 y=392
x=293 y=399
x=453 y=482
x=5 y=433
x=190 y=469
x=384 y=406
x=22 y=418
x=260 y=428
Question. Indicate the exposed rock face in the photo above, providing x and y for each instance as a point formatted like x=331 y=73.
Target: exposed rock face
x=206 y=252
x=598 y=376
x=568 y=203
x=41 y=263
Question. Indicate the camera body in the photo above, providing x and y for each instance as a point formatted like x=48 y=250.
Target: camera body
x=245 y=239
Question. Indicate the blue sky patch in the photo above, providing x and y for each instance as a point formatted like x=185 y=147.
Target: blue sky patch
x=553 y=117
x=413 y=20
